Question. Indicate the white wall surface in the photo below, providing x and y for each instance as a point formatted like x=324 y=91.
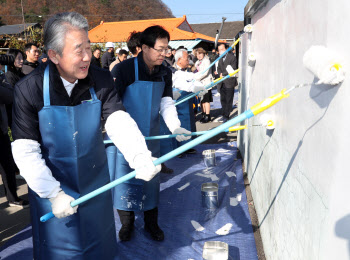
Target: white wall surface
x=300 y=172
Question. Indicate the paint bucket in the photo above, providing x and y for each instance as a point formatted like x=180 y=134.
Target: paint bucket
x=210 y=195
x=209 y=158
x=215 y=250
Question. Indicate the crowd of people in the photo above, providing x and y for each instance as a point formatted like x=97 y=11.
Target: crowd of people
x=130 y=89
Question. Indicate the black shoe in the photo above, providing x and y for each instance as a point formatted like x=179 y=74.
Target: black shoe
x=156 y=233
x=191 y=151
x=225 y=119
x=166 y=169
x=125 y=232
x=206 y=119
x=19 y=203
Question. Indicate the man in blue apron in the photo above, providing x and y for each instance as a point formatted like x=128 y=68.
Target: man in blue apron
x=59 y=148
x=145 y=86
x=184 y=84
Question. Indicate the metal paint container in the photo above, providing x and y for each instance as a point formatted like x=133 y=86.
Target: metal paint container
x=209 y=158
x=215 y=250
x=210 y=195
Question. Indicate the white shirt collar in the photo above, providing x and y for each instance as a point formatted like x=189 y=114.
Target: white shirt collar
x=67 y=83
x=68 y=86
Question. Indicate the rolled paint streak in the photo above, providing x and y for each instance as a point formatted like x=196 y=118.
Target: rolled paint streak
x=224 y=230
x=184 y=186
x=197 y=226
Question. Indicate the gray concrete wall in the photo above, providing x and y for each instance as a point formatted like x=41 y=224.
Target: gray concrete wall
x=299 y=173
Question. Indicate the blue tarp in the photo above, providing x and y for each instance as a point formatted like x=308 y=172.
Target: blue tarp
x=180 y=203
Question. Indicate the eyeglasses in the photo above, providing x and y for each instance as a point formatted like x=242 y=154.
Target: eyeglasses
x=161 y=51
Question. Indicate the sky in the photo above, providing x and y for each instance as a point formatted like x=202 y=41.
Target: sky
x=208 y=11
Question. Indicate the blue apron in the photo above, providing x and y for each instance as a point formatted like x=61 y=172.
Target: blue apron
x=73 y=149
x=186 y=116
x=142 y=101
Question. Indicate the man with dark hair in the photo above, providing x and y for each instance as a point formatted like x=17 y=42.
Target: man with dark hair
x=145 y=86
x=134 y=44
x=227 y=88
x=95 y=60
x=122 y=56
x=31 y=62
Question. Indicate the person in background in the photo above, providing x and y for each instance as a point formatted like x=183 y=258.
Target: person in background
x=122 y=56
x=227 y=89
x=134 y=44
x=8 y=174
x=13 y=75
x=145 y=87
x=185 y=81
x=201 y=64
x=108 y=57
x=31 y=62
x=14 y=72
x=169 y=58
x=95 y=60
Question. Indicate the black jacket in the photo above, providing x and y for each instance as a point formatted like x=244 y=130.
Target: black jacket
x=28 y=67
x=28 y=97
x=13 y=76
x=229 y=60
x=107 y=59
x=124 y=74
x=6 y=98
x=95 y=61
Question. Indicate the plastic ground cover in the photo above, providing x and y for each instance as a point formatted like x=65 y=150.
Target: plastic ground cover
x=180 y=208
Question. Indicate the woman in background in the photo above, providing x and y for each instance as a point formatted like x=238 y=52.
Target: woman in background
x=201 y=64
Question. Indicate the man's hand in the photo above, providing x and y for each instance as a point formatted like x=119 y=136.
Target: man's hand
x=61 y=207
x=145 y=168
x=181 y=137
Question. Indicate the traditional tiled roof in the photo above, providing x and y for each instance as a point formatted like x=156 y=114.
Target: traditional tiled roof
x=178 y=28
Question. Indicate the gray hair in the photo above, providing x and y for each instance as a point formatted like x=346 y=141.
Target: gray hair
x=56 y=27
x=179 y=54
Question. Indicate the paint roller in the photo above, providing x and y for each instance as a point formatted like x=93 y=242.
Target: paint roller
x=248 y=28
x=325 y=64
x=210 y=85
x=253 y=111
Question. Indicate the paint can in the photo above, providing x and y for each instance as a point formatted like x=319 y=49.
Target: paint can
x=215 y=250
x=209 y=158
x=210 y=195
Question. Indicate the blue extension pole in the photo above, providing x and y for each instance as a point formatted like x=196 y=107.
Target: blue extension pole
x=157 y=137
x=246 y=115
x=212 y=84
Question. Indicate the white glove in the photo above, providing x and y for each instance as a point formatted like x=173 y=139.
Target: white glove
x=202 y=91
x=176 y=94
x=61 y=205
x=144 y=167
x=181 y=131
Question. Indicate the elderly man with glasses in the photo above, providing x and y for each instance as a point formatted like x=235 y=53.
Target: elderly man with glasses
x=145 y=86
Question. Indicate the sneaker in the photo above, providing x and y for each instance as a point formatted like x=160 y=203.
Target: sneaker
x=220 y=119
x=125 y=232
x=217 y=95
x=156 y=233
x=20 y=204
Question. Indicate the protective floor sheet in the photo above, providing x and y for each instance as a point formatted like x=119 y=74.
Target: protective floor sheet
x=186 y=224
